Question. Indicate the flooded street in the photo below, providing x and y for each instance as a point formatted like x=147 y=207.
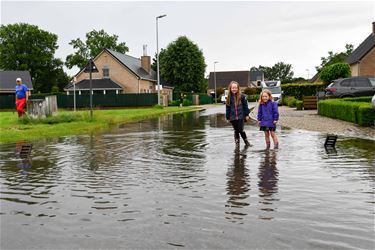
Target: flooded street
x=179 y=182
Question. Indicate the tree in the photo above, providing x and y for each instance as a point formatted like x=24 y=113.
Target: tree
x=280 y=71
x=26 y=47
x=333 y=58
x=182 y=65
x=95 y=42
x=335 y=71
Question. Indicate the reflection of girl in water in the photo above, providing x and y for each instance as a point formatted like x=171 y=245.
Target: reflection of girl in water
x=268 y=175
x=238 y=185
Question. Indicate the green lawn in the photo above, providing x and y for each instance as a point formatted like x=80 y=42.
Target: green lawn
x=13 y=129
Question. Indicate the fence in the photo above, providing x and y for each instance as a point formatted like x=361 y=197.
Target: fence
x=83 y=101
x=203 y=98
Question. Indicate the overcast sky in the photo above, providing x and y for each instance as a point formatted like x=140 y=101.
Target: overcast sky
x=238 y=35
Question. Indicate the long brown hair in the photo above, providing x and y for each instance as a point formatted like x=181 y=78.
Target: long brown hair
x=268 y=92
x=238 y=95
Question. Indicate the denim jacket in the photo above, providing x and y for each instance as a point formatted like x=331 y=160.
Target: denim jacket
x=234 y=112
x=267 y=113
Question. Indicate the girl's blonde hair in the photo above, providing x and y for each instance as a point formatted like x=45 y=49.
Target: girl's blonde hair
x=265 y=91
x=238 y=95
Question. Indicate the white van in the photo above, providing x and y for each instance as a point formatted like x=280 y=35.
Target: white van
x=275 y=88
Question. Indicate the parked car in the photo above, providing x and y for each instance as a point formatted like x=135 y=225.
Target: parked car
x=351 y=87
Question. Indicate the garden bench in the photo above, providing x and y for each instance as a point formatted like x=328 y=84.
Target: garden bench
x=310 y=102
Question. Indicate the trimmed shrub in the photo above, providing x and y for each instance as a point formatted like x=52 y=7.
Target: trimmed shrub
x=292 y=101
x=299 y=104
x=335 y=71
x=252 y=91
x=300 y=90
x=348 y=109
x=253 y=98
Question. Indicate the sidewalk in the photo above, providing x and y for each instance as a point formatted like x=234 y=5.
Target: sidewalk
x=310 y=120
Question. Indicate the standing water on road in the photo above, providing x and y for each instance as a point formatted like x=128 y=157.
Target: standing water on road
x=179 y=182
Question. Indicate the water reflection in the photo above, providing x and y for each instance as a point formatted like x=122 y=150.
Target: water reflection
x=238 y=185
x=164 y=178
x=268 y=178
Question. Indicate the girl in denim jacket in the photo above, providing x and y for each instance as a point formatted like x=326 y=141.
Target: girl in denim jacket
x=237 y=111
x=268 y=115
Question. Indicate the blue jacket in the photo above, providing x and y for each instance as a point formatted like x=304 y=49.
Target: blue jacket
x=242 y=109
x=267 y=113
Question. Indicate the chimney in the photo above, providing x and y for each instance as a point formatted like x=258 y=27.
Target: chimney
x=146 y=60
x=373 y=28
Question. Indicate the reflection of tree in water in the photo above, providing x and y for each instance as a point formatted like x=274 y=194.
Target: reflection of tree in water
x=184 y=137
x=182 y=148
x=268 y=178
x=238 y=184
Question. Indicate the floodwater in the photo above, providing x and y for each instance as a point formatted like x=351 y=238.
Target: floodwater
x=179 y=182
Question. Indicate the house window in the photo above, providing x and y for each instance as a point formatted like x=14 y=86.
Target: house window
x=106 y=72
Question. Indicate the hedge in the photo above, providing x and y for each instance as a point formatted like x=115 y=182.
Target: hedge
x=298 y=90
x=354 y=110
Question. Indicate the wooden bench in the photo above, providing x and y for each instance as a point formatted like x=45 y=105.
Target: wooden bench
x=310 y=102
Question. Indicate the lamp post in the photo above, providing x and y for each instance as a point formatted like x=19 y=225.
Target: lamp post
x=308 y=74
x=157 y=56
x=215 y=81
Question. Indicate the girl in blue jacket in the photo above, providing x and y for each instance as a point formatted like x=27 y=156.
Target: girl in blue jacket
x=237 y=111
x=268 y=115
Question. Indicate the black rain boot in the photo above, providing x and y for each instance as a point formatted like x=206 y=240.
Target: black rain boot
x=268 y=145
x=276 y=146
x=237 y=142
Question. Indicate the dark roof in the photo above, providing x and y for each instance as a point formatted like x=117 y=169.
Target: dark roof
x=365 y=47
x=134 y=65
x=315 y=78
x=256 y=76
x=8 y=79
x=223 y=78
x=97 y=84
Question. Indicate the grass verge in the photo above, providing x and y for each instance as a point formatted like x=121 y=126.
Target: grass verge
x=13 y=129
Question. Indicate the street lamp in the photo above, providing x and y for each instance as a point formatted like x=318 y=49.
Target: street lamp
x=215 y=81
x=157 y=56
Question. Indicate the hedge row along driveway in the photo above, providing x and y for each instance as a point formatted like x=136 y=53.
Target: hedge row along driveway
x=357 y=110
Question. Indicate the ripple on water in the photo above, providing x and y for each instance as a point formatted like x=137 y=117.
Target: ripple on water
x=180 y=182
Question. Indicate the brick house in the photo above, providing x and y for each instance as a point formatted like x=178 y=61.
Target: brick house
x=119 y=73
x=362 y=60
x=245 y=78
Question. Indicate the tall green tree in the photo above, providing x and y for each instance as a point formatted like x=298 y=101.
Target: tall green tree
x=95 y=42
x=333 y=58
x=280 y=71
x=26 y=47
x=182 y=65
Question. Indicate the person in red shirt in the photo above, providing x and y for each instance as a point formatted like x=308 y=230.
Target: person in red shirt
x=22 y=95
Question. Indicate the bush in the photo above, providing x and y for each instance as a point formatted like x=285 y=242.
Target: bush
x=174 y=103
x=292 y=101
x=303 y=89
x=252 y=91
x=299 y=104
x=253 y=98
x=187 y=102
x=348 y=109
x=335 y=71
